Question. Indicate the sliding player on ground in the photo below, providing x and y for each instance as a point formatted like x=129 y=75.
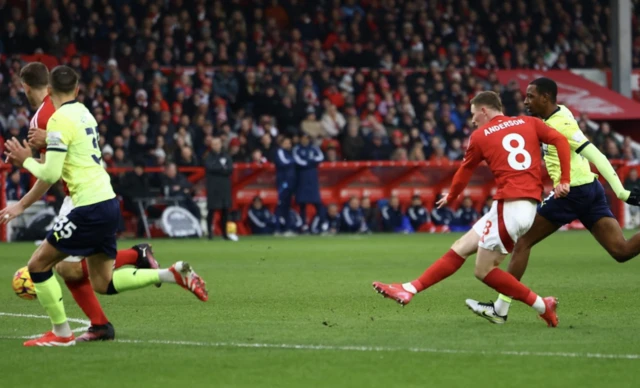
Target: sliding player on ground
x=510 y=146
x=586 y=201
x=89 y=230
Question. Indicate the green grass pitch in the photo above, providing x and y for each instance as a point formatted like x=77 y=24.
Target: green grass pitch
x=301 y=312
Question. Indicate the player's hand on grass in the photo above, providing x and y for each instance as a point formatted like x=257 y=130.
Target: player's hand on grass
x=37 y=138
x=10 y=212
x=562 y=190
x=442 y=202
x=17 y=153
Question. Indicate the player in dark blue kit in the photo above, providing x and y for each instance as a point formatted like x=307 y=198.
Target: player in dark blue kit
x=352 y=217
x=307 y=157
x=261 y=221
x=417 y=214
x=586 y=200
x=327 y=222
x=443 y=215
x=286 y=183
x=465 y=217
x=392 y=216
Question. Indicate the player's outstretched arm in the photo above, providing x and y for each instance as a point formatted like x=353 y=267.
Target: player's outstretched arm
x=37 y=191
x=472 y=157
x=605 y=168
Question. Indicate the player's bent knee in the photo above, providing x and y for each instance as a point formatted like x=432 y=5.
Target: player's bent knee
x=481 y=271
x=621 y=255
x=70 y=271
x=100 y=287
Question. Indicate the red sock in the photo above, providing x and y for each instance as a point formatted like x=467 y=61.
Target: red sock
x=85 y=298
x=444 y=267
x=126 y=257
x=506 y=284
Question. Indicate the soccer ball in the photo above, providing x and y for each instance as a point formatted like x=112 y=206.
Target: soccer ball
x=23 y=285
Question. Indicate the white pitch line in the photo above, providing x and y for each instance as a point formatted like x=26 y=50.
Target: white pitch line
x=74 y=320
x=383 y=349
x=85 y=323
x=344 y=348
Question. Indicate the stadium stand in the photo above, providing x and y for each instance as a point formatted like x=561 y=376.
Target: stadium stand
x=368 y=80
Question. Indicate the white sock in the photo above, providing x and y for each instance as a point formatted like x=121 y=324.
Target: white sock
x=539 y=305
x=62 y=330
x=409 y=287
x=501 y=306
x=166 y=276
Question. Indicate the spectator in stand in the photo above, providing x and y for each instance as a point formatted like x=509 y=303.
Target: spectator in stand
x=612 y=151
x=352 y=220
x=632 y=182
x=285 y=184
x=417 y=213
x=466 y=216
x=177 y=186
x=333 y=122
x=487 y=205
x=307 y=157
x=443 y=216
x=369 y=214
x=392 y=217
x=135 y=185
x=261 y=220
x=15 y=188
x=219 y=166
x=331 y=153
x=378 y=149
x=353 y=144
x=327 y=222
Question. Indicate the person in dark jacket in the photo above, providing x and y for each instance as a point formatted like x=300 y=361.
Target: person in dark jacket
x=442 y=216
x=466 y=215
x=295 y=223
x=369 y=213
x=135 y=184
x=285 y=182
x=487 y=205
x=307 y=157
x=176 y=185
x=392 y=215
x=219 y=167
x=327 y=222
x=15 y=187
x=352 y=220
x=417 y=214
x=261 y=220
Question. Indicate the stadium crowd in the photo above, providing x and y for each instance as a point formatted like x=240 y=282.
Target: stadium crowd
x=366 y=80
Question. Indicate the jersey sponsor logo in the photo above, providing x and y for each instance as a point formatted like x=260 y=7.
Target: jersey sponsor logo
x=54 y=139
x=578 y=137
x=495 y=128
x=178 y=222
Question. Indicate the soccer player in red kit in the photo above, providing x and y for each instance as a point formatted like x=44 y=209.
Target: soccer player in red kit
x=35 y=78
x=511 y=148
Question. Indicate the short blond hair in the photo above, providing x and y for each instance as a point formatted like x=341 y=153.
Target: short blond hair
x=488 y=99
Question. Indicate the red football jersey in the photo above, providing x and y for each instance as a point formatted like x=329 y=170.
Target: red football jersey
x=511 y=148
x=43 y=114
x=40 y=120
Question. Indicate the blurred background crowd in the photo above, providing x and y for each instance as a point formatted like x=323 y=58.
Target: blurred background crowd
x=365 y=79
